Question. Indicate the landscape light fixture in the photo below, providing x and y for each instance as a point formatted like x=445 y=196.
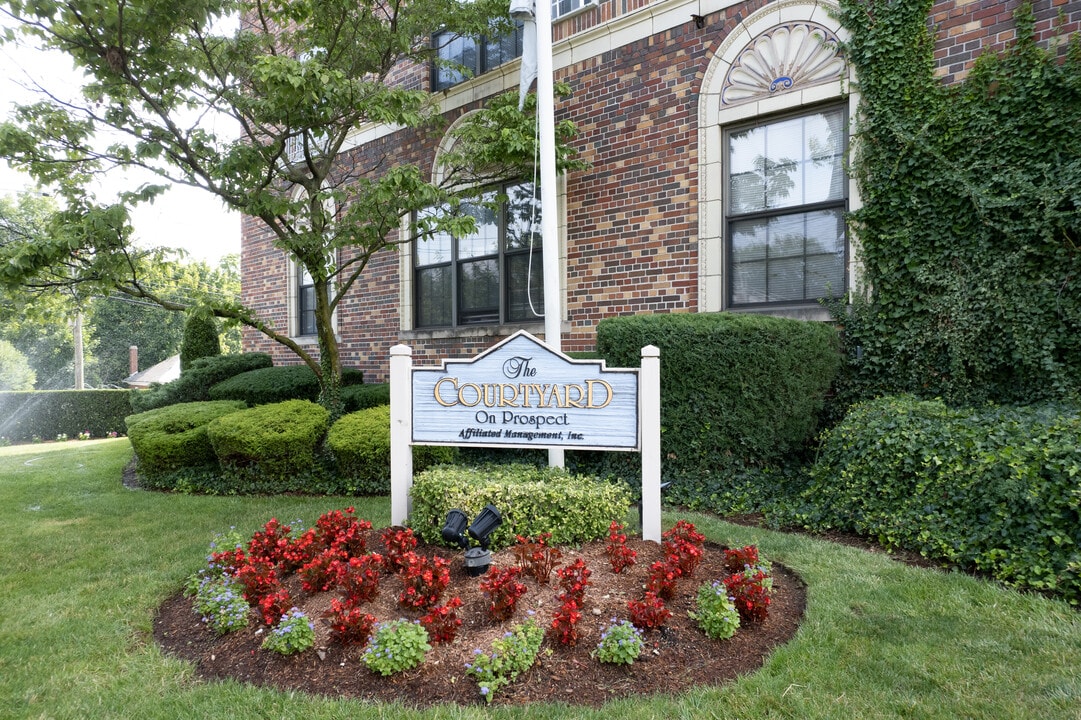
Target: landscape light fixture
x=477 y=559
x=454 y=528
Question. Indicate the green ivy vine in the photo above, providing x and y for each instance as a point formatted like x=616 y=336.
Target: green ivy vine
x=970 y=229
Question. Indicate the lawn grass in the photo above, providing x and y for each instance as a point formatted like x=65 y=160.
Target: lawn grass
x=84 y=562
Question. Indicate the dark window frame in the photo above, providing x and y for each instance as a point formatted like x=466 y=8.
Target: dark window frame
x=834 y=205
x=484 y=58
x=305 y=303
x=464 y=309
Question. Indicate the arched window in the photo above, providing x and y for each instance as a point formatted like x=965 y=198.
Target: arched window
x=773 y=138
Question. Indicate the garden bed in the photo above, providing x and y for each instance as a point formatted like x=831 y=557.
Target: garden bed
x=677 y=656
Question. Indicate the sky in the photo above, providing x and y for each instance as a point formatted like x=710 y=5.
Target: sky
x=185 y=218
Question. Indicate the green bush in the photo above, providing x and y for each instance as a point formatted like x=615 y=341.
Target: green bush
x=737 y=390
x=200 y=339
x=276 y=384
x=995 y=488
x=174 y=438
x=361 y=397
x=360 y=445
x=532 y=500
x=47 y=413
x=271 y=448
x=194 y=384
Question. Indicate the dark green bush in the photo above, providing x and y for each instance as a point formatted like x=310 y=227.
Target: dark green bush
x=736 y=389
x=277 y=384
x=360 y=445
x=532 y=500
x=44 y=414
x=194 y=384
x=200 y=339
x=172 y=438
x=271 y=448
x=361 y=397
x=997 y=489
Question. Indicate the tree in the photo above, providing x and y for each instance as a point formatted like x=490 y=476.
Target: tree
x=15 y=371
x=296 y=79
x=200 y=339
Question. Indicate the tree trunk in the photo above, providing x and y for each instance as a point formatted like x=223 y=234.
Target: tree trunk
x=330 y=364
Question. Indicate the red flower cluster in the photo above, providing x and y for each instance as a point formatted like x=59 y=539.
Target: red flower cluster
x=396 y=543
x=323 y=571
x=442 y=622
x=573 y=579
x=274 y=605
x=270 y=543
x=344 y=531
x=349 y=625
x=565 y=622
x=359 y=580
x=424 y=578
x=619 y=554
x=536 y=557
x=751 y=590
x=737 y=559
x=503 y=591
x=684 y=546
x=259 y=579
x=649 y=612
x=663 y=576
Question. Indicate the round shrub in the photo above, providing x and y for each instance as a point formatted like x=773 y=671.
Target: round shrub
x=270 y=448
x=200 y=339
x=277 y=384
x=360 y=444
x=175 y=437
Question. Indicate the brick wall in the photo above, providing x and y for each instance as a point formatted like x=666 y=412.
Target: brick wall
x=631 y=218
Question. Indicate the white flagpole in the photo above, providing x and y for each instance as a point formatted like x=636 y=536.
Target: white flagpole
x=553 y=307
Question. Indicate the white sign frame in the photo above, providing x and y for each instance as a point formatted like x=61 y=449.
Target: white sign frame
x=573 y=403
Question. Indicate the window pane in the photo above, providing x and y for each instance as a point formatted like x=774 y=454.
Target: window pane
x=525 y=283
x=795 y=257
x=478 y=291
x=461 y=50
x=485 y=241
x=306 y=310
x=502 y=49
x=523 y=218
x=787 y=163
x=433 y=250
x=433 y=297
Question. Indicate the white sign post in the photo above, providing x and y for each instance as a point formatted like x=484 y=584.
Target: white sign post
x=521 y=393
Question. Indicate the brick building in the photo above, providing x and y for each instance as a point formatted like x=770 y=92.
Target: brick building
x=716 y=131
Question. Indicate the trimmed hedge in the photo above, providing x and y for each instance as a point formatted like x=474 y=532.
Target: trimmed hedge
x=194 y=384
x=361 y=397
x=277 y=384
x=44 y=414
x=173 y=438
x=271 y=448
x=737 y=390
x=360 y=445
x=532 y=500
x=997 y=489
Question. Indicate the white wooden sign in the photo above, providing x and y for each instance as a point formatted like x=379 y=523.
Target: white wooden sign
x=520 y=393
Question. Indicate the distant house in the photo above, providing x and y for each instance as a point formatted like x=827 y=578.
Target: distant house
x=717 y=131
x=165 y=371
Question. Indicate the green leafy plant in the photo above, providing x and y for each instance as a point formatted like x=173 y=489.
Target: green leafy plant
x=511 y=655
x=293 y=634
x=621 y=643
x=220 y=603
x=716 y=611
x=396 y=646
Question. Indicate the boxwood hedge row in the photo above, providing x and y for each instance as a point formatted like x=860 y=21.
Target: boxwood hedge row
x=532 y=500
x=173 y=438
x=195 y=382
x=44 y=414
x=995 y=488
x=276 y=384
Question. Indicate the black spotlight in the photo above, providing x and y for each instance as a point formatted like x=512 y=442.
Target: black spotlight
x=454 y=528
x=478 y=559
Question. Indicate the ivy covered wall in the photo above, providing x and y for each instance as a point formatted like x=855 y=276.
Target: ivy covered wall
x=970 y=230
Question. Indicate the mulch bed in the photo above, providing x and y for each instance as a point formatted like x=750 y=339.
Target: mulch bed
x=677 y=657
